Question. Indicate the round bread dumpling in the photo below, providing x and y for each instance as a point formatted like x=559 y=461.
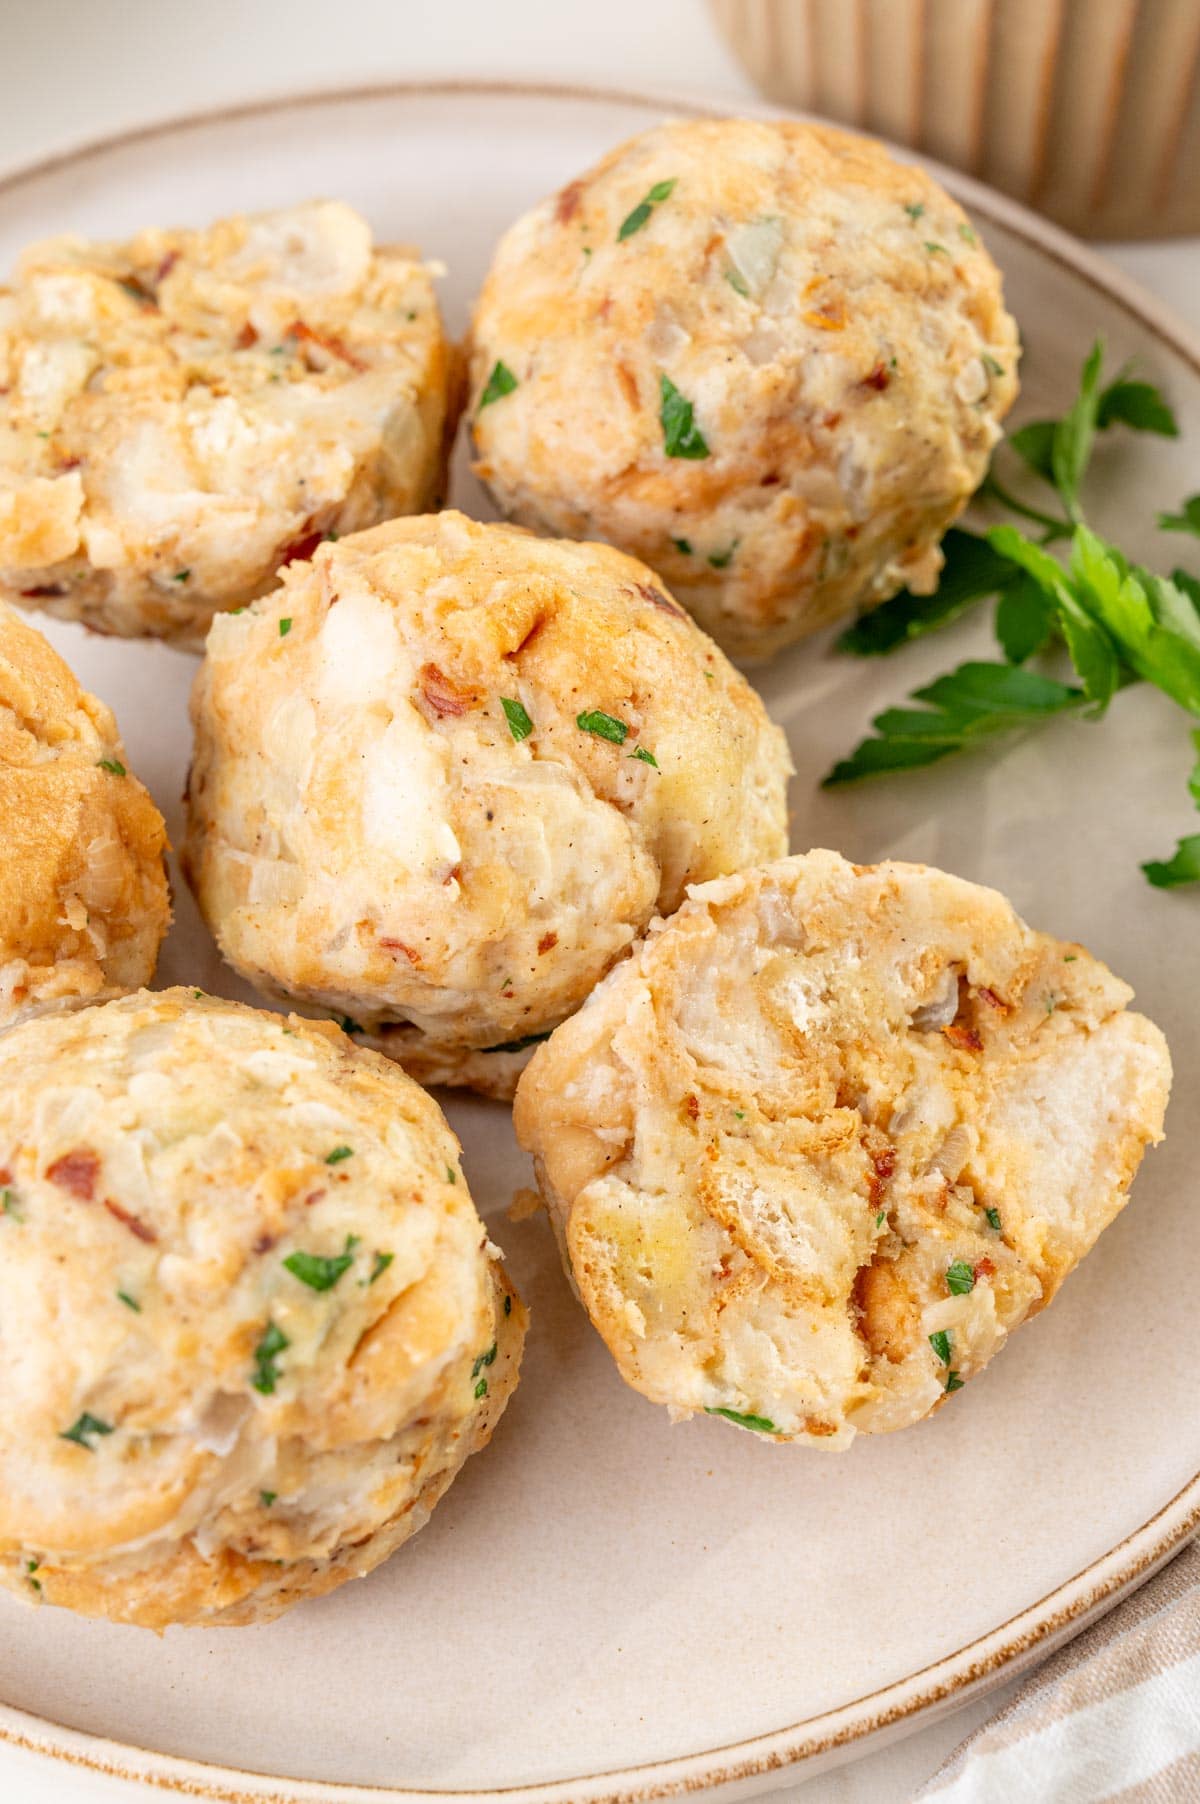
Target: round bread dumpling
x=84 y=903
x=768 y=359
x=449 y=773
x=250 y=1321
x=181 y=414
x=829 y=1135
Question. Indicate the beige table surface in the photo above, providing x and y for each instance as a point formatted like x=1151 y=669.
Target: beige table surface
x=74 y=69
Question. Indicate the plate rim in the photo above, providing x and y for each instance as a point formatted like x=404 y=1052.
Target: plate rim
x=1003 y=1651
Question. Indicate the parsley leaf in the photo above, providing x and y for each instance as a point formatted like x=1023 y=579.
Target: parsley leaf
x=485 y=1359
x=501 y=382
x=381 y=1263
x=319 y=1272
x=760 y=1424
x=81 y=1430
x=1090 y=647
x=1182 y=867
x=940 y=1342
x=969 y=704
x=634 y=221
x=113 y=765
x=123 y=1296
x=519 y=723
x=338 y=1154
x=1026 y=619
x=1136 y=404
x=1153 y=622
x=644 y=756
x=1071 y=447
x=953 y=1381
x=993 y=1218
x=973 y=570
x=603 y=726
x=1186 y=520
x=681 y=435
x=285 y=627
x=960 y=1278
x=266 y=1372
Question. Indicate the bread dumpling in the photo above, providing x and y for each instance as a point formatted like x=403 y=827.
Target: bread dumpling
x=250 y=1322
x=829 y=1135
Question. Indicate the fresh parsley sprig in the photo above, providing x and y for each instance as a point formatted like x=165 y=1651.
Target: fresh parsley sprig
x=1119 y=623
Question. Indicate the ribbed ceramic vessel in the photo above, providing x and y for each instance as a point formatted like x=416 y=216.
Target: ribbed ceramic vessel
x=1088 y=110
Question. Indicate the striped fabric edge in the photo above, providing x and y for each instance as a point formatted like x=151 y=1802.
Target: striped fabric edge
x=1114 y=1716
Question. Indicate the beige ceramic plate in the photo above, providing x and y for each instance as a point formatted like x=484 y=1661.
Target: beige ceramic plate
x=606 y=1607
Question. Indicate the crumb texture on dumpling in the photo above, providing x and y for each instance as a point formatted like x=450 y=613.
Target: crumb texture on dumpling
x=84 y=903
x=250 y=1322
x=830 y=1134
x=448 y=774
x=183 y=413
x=767 y=358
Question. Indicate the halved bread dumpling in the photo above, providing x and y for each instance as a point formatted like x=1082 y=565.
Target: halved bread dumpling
x=829 y=1134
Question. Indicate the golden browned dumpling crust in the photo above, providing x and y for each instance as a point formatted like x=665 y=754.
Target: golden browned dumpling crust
x=829 y=1135
x=181 y=414
x=448 y=774
x=250 y=1323
x=768 y=359
x=83 y=893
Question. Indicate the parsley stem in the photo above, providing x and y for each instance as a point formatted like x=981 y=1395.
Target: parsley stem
x=1055 y=528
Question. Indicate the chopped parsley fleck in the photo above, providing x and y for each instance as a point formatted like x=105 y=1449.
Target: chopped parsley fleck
x=181 y=576
x=8 y=1205
x=990 y=363
x=721 y=559
x=633 y=222
x=113 y=765
x=266 y=1373
x=645 y=756
x=953 y=1381
x=285 y=626
x=518 y=1045
x=940 y=1342
x=760 y=1424
x=968 y=233
x=737 y=282
x=604 y=726
x=501 y=382
x=86 y=1425
x=487 y=1358
x=123 y=1296
x=267 y=1498
x=681 y=435
x=198 y=994
x=881 y=1218
x=993 y=1218
x=318 y=1271
x=960 y=1278
x=451 y=1175
x=31 y=1566
x=519 y=723
x=682 y=545
x=935 y=249
x=1070 y=957
x=508 y=1305
x=1051 y=1004
x=382 y=1261
x=338 y=1154
x=481 y=1389
x=740 y=1114
x=348 y=1025
x=914 y=209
